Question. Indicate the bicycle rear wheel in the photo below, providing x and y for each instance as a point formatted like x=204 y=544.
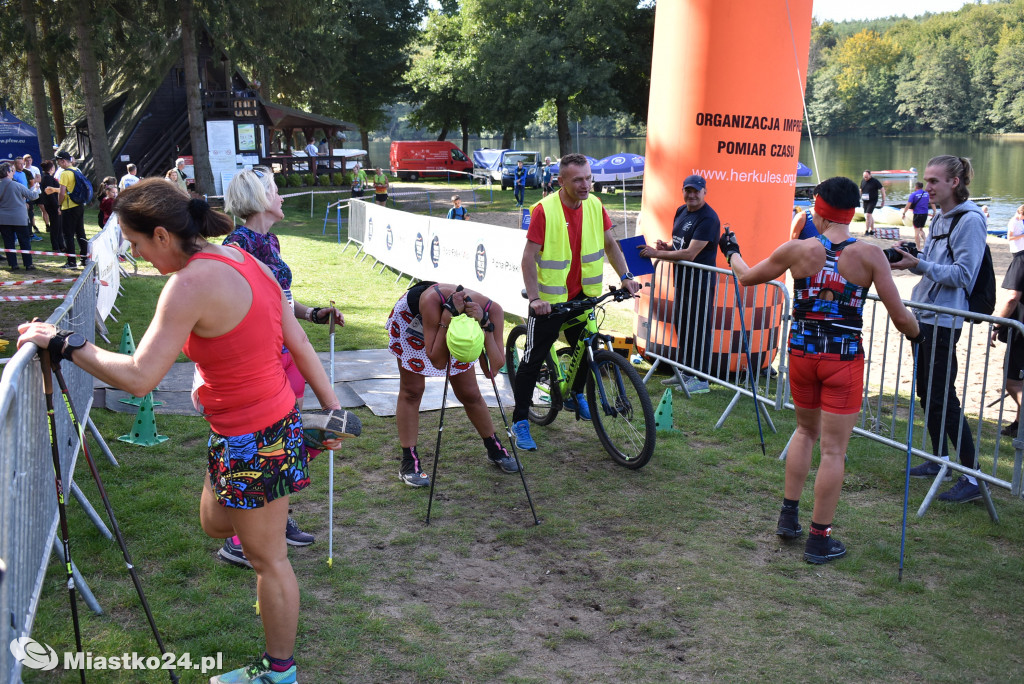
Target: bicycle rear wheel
x=621 y=410
x=547 y=399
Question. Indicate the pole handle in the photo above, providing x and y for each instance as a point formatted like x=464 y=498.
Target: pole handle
x=332 y=316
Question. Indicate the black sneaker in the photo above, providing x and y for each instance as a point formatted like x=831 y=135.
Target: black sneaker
x=822 y=547
x=503 y=460
x=232 y=553
x=789 y=524
x=962 y=492
x=411 y=474
x=296 y=537
x=930 y=469
x=414 y=478
x=1010 y=430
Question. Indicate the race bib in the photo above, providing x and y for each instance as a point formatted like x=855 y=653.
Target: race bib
x=865 y=197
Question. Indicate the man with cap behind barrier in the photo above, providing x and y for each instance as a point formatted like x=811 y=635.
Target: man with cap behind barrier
x=949 y=266
x=695 y=232
x=569 y=236
x=832 y=274
x=436 y=329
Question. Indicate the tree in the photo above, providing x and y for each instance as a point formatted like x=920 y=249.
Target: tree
x=924 y=90
x=33 y=58
x=441 y=69
x=1008 y=79
x=194 y=104
x=99 y=146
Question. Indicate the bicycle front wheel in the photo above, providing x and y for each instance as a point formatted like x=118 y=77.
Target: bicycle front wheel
x=547 y=399
x=620 y=409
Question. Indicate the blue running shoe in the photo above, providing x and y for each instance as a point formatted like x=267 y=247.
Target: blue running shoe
x=521 y=433
x=570 y=405
x=259 y=673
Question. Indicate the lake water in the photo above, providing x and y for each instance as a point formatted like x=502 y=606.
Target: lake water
x=998 y=161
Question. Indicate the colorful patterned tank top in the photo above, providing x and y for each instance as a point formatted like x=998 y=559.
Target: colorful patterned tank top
x=828 y=310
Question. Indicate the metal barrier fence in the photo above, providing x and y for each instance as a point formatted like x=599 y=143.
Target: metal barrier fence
x=28 y=503
x=693 y=325
x=697 y=334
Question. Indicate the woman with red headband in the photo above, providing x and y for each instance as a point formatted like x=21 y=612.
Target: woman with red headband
x=832 y=274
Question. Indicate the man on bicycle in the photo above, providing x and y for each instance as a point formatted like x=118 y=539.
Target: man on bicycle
x=569 y=235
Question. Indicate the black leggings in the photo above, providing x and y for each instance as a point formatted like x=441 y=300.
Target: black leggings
x=541 y=334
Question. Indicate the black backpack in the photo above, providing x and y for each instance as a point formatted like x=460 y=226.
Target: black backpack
x=982 y=298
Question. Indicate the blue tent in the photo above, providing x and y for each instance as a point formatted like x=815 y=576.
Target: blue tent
x=802 y=170
x=17 y=138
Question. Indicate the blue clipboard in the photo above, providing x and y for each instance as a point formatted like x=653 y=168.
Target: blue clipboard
x=636 y=264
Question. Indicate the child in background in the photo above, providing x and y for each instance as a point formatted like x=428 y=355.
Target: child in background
x=107 y=203
x=458 y=212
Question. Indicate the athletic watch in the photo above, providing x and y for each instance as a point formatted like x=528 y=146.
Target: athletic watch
x=626 y=276
x=64 y=343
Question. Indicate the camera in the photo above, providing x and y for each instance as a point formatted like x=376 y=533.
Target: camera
x=893 y=256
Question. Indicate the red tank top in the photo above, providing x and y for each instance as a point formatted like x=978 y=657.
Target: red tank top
x=245 y=388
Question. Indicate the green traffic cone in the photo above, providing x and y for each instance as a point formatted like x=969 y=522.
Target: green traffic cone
x=663 y=415
x=144 y=430
x=127 y=343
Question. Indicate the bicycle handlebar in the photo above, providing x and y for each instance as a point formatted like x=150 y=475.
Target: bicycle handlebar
x=620 y=294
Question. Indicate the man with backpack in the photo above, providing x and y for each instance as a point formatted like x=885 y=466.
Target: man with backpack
x=956 y=272
x=75 y=193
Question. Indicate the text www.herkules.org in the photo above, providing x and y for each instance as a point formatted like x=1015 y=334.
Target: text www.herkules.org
x=751 y=176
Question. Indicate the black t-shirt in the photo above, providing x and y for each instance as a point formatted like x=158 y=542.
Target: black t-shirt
x=870 y=187
x=702 y=224
x=49 y=202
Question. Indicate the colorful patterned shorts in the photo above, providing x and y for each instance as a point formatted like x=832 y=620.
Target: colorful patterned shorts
x=251 y=470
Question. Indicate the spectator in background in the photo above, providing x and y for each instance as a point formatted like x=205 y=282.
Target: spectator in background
x=519 y=183
x=323 y=149
x=25 y=177
x=918 y=203
x=72 y=214
x=107 y=203
x=948 y=266
x=13 y=219
x=178 y=175
x=358 y=180
x=546 y=177
x=1014 y=310
x=695 y=233
x=33 y=170
x=380 y=187
x=803 y=226
x=129 y=179
x=312 y=152
x=869 y=189
x=457 y=212
x=49 y=189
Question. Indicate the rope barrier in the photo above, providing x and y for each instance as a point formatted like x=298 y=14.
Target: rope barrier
x=44 y=281
x=31 y=298
x=30 y=251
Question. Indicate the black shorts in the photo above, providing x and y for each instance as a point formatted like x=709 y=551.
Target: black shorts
x=357 y=193
x=869 y=207
x=381 y=197
x=920 y=220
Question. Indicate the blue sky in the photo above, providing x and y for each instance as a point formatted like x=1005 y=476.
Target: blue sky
x=841 y=10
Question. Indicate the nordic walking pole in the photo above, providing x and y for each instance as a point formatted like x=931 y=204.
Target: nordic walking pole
x=906 y=484
x=110 y=512
x=330 y=467
x=58 y=481
x=440 y=429
x=508 y=434
x=750 y=362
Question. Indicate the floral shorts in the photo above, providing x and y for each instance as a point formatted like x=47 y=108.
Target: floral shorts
x=405 y=335
x=251 y=470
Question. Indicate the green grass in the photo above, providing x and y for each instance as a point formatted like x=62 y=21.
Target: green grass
x=668 y=573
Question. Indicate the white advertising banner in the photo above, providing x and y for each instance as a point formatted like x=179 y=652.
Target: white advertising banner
x=220 y=141
x=104 y=253
x=476 y=255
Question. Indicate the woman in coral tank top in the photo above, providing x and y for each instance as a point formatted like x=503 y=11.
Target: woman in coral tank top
x=221 y=306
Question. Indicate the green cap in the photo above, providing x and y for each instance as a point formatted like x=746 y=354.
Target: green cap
x=465 y=338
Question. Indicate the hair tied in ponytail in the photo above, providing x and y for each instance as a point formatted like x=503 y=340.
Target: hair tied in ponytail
x=197 y=208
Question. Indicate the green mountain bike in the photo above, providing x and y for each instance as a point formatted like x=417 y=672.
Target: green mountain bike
x=620 y=407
